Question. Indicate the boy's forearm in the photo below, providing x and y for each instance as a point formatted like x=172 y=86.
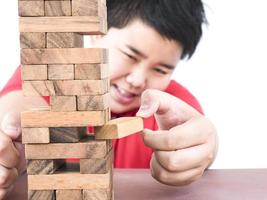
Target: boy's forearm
x=16 y=102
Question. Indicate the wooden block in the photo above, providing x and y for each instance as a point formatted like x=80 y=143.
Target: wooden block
x=35 y=135
x=64 y=40
x=32 y=40
x=43 y=166
x=88 y=149
x=91 y=71
x=61 y=72
x=69 y=194
x=65 y=87
x=75 y=24
x=34 y=72
x=63 y=56
x=97 y=194
x=41 y=195
x=89 y=8
x=67 y=134
x=96 y=165
x=35 y=119
x=31 y=8
x=119 y=128
x=58 y=8
x=63 y=103
x=69 y=181
x=97 y=102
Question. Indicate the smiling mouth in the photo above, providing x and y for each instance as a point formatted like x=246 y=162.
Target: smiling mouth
x=121 y=95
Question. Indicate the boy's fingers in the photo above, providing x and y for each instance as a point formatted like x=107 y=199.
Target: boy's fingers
x=9 y=156
x=7 y=176
x=11 y=126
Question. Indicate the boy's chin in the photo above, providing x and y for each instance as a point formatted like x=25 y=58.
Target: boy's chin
x=118 y=109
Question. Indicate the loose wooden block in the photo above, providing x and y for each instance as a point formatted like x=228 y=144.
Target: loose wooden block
x=35 y=135
x=63 y=103
x=96 y=165
x=58 y=8
x=63 y=56
x=97 y=102
x=91 y=71
x=88 y=149
x=75 y=24
x=69 y=181
x=32 y=40
x=89 y=8
x=69 y=194
x=31 y=8
x=120 y=127
x=34 y=72
x=64 y=40
x=65 y=87
x=61 y=72
x=43 y=166
x=97 y=194
x=35 y=119
x=67 y=134
x=41 y=195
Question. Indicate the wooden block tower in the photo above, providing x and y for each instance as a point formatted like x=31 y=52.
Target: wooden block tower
x=55 y=64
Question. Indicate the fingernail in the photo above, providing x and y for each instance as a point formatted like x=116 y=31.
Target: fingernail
x=143 y=110
x=147 y=131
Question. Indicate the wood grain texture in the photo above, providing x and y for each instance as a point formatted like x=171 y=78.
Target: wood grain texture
x=89 y=8
x=63 y=103
x=65 y=87
x=96 y=102
x=61 y=72
x=75 y=24
x=34 y=72
x=31 y=8
x=69 y=181
x=32 y=40
x=64 y=40
x=63 y=56
x=91 y=71
x=35 y=119
x=69 y=194
x=67 y=134
x=96 y=165
x=35 y=135
x=88 y=149
x=35 y=167
x=97 y=194
x=41 y=195
x=119 y=128
x=58 y=8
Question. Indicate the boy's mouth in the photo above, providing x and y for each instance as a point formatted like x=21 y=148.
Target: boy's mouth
x=121 y=95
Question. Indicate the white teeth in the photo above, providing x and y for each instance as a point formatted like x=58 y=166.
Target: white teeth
x=124 y=92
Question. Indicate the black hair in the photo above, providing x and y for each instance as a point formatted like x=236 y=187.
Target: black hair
x=179 y=20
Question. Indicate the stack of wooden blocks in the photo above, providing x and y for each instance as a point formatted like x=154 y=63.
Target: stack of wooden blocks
x=56 y=64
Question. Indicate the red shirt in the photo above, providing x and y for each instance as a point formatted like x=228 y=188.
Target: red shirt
x=129 y=152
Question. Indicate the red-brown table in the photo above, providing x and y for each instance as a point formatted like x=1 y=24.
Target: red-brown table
x=243 y=184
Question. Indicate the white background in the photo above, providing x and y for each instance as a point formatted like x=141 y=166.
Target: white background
x=227 y=74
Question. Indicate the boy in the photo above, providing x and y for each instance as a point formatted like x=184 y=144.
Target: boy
x=146 y=40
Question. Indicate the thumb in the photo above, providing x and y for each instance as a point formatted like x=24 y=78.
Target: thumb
x=11 y=126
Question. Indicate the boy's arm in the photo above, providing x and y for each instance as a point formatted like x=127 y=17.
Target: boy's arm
x=12 y=161
x=186 y=143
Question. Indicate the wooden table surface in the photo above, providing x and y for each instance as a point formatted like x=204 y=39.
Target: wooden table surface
x=244 y=184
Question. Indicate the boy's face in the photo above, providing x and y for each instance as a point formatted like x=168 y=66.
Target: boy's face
x=139 y=59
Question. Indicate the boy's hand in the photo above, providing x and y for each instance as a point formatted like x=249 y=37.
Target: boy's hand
x=12 y=161
x=186 y=143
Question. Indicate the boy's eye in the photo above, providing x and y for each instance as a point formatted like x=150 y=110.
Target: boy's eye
x=130 y=56
x=160 y=71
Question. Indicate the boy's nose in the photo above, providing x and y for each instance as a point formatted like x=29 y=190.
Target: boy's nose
x=136 y=78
